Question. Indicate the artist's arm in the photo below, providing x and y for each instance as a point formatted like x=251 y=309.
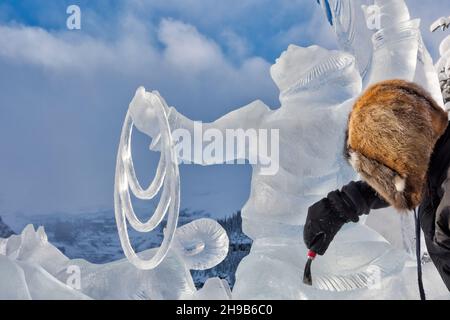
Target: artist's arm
x=200 y=135
x=326 y=217
x=242 y=122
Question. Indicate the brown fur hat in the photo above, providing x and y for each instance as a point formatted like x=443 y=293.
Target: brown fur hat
x=392 y=130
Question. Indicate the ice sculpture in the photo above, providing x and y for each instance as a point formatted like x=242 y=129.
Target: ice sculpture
x=395 y=50
x=32 y=268
x=399 y=42
x=214 y=289
x=28 y=263
x=167 y=176
x=278 y=203
x=317 y=88
x=348 y=20
x=384 y=40
x=203 y=244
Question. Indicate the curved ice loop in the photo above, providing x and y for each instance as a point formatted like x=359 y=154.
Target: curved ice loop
x=193 y=249
x=202 y=243
x=366 y=277
x=167 y=177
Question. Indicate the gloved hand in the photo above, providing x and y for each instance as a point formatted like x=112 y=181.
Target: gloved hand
x=326 y=217
x=322 y=224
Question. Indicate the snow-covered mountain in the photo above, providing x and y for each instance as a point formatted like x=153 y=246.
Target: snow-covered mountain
x=93 y=237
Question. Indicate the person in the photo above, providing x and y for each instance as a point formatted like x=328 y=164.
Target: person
x=398 y=141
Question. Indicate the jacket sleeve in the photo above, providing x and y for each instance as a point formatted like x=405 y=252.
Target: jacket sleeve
x=355 y=199
x=436 y=228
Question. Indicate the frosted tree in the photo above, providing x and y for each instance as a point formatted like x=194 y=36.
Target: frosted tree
x=443 y=65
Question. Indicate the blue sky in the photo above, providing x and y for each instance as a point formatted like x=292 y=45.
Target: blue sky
x=63 y=94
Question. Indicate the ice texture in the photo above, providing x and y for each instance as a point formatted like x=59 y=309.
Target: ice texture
x=278 y=203
x=28 y=266
x=357 y=270
x=167 y=178
x=348 y=20
x=202 y=244
x=12 y=280
x=377 y=31
x=214 y=289
x=32 y=268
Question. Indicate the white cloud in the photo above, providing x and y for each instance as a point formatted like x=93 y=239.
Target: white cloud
x=65 y=94
x=237 y=46
x=186 y=49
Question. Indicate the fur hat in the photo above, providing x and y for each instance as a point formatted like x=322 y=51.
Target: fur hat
x=392 y=130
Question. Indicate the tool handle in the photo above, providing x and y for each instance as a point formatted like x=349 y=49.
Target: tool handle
x=307 y=277
x=312 y=255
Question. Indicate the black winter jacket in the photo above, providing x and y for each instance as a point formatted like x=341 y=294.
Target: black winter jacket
x=358 y=198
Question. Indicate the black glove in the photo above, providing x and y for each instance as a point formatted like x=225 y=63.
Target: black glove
x=322 y=224
x=326 y=217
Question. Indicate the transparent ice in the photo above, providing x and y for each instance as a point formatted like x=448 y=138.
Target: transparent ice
x=32 y=268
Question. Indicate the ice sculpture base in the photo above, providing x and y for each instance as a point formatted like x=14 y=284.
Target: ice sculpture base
x=351 y=269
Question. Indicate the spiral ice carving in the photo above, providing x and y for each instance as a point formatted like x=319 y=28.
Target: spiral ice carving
x=167 y=177
x=202 y=244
